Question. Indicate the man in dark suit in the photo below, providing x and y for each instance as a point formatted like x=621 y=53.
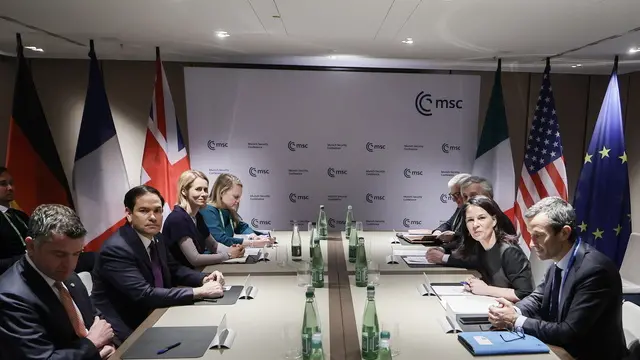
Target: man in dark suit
x=45 y=310
x=13 y=229
x=135 y=274
x=578 y=305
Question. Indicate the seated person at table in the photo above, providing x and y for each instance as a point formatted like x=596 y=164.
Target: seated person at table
x=578 y=305
x=221 y=215
x=45 y=310
x=449 y=255
x=185 y=231
x=134 y=272
x=13 y=229
x=505 y=269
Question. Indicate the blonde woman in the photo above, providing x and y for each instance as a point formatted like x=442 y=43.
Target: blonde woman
x=221 y=215
x=185 y=231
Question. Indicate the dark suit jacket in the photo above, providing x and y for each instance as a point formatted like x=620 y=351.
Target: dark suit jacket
x=12 y=247
x=33 y=322
x=590 y=325
x=123 y=283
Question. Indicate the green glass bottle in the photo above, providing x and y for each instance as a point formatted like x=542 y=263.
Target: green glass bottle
x=370 y=327
x=385 y=347
x=310 y=323
x=296 y=244
x=317 y=265
x=316 y=347
x=323 y=230
x=362 y=276
x=353 y=244
x=348 y=222
x=312 y=237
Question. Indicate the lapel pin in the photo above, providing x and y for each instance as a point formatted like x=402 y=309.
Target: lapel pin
x=72 y=284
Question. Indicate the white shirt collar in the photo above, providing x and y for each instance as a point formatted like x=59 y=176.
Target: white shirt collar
x=564 y=262
x=3 y=208
x=49 y=280
x=145 y=240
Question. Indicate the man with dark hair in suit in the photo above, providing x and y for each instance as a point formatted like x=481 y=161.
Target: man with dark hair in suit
x=13 y=229
x=578 y=305
x=135 y=274
x=45 y=310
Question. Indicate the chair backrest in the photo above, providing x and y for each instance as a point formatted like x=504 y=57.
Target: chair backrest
x=631 y=321
x=630 y=269
x=86 y=280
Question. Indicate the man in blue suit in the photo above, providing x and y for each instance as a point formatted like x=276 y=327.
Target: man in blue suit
x=578 y=305
x=135 y=274
x=45 y=310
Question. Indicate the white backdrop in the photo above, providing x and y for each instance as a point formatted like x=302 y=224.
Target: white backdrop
x=386 y=143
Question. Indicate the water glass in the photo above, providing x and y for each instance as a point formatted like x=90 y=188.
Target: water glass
x=304 y=273
x=373 y=273
x=292 y=340
x=393 y=327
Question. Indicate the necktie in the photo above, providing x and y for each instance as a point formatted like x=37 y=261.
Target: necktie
x=155 y=265
x=70 y=308
x=554 y=305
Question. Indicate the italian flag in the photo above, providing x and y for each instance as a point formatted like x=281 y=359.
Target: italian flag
x=493 y=157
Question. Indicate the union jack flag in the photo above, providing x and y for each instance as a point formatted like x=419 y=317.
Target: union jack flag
x=165 y=155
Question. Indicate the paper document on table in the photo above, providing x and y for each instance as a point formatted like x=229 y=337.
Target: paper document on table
x=251 y=251
x=417 y=260
x=449 y=290
x=413 y=253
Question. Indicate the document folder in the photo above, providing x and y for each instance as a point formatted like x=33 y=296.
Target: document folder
x=501 y=343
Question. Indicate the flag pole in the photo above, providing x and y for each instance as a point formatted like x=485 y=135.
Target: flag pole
x=615 y=65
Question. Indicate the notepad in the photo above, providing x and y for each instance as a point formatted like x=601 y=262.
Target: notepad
x=449 y=290
x=416 y=260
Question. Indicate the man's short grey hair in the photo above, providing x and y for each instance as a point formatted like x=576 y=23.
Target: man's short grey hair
x=457 y=180
x=486 y=185
x=53 y=219
x=559 y=212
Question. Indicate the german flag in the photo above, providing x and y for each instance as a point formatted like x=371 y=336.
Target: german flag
x=32 y=157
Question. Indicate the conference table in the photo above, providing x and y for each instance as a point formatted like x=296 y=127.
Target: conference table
x=269 y=325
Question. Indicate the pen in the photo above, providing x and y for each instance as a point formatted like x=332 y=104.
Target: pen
x=464 y=283
x=210 y=300
x=168 y=348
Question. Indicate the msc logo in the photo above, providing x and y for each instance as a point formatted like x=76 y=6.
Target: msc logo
x=444 y=198
x=257 y=223
x=407 y=222
x=371 y=198
x=408 y=173
x=212 y=145
x=255 y=172
x=371 y=147
x=293 y=146
x=333 y=222
x=333 y=172
x=294 y=198
x=424 y=103
x=446 y=148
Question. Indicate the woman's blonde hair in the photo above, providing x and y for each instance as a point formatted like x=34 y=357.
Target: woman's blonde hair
x=224 y=183
x=185 y=182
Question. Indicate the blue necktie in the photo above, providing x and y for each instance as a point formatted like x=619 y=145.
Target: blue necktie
x=155 y=265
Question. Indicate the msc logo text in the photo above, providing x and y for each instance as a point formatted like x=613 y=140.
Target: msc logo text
x=408 y=173
x=333 y=222
x=408 y=222
x=425 y=103
x=444 y=198
x=294 y=198
x=212 y=145
x=371 y=147
x=255 y=172
x=332 y=172
x=293 y=146
x=371 y=198
x=257 y=223
x=446 y=148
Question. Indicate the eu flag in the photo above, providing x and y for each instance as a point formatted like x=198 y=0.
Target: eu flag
x=601 y=201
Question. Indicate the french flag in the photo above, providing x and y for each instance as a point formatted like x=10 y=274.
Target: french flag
x=99 y=175
x=165 y=155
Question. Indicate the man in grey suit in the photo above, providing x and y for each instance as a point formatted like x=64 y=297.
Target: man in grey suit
x=578 y=305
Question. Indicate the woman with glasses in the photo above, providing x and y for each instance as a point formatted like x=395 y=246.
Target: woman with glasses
x=505 y=269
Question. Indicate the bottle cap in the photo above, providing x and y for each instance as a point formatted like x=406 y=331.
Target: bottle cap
x=349 y=207
x=321 y=206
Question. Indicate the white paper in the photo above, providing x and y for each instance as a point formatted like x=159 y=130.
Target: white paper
x=449 y=290
x=412 y=252
x=226 y=288
x=416 y=260
x=481 y=340
x=248 y=251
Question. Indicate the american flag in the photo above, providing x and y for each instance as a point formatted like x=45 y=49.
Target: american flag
x=543 y=172
x=165 y=155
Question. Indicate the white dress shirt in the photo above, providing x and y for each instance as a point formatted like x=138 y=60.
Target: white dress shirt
x=146 y=242
x=50 y=282
x=562 y=264
x=3 y=208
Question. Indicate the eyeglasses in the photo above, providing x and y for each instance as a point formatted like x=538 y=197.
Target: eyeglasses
x=455 y=195
x=518 y=335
